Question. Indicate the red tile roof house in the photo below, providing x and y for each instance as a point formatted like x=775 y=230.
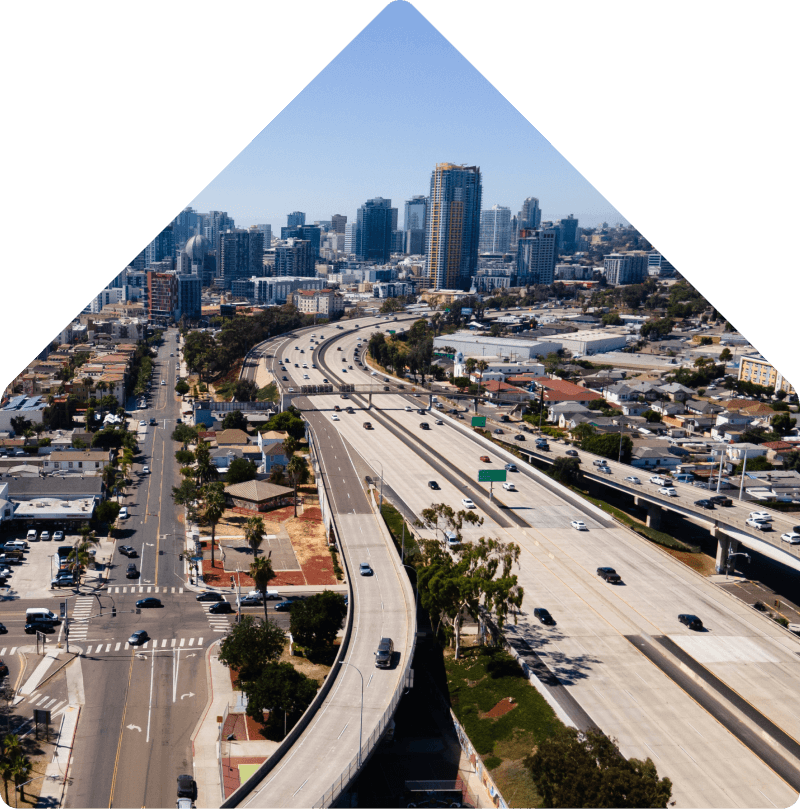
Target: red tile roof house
x=500 y=390
x=778 y=450
x=559 y=390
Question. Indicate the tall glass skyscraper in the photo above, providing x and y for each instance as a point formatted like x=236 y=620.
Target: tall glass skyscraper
x=453 y=226
x=374 y=225
x=495 y=230
x=295 y=219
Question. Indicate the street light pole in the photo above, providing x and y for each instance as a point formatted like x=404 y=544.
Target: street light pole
x=361 y=721
x=744 y=468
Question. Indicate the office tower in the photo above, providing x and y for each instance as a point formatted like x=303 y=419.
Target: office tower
x=374 y=230
x=189 y=294
x=350 y=232
x=338 y=222
x=536 y=256
x=495 y=230
x=530 y=217
x=453 y=226
x=213 y=223
x=415 y=212
x=295 y=258
x=267 y=231
x=239 y=255
x=185 y=225
x=295 y=219
x=569 y=234
x=255 y=264
x=657 y=265
x=398 y=241
x=162 y=247
x=309 y=233
x=415 y=242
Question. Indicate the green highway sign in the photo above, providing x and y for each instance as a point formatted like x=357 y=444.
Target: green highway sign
x=479 y=421
x=492 y=475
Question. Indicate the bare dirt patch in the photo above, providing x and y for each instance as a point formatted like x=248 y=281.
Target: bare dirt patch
x=501 y=709
x=703 y=564
x=308 y=538
x=233 y=523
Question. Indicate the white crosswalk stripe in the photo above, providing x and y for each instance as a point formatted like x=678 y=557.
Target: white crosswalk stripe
x=3 y=651
x=183 y=643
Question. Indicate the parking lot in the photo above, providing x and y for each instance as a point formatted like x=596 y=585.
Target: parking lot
x=31 y=578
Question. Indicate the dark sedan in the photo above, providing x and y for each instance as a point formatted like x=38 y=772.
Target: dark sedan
x=544 y=616
x=287 y=604
x=220 y=607
x=149 y=603
x=704 y=504
x=209 y=596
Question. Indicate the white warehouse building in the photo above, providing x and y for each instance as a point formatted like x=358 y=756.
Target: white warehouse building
x=593 y=341
x=473 y=345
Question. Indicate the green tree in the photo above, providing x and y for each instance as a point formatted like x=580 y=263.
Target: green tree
x=20 y=771
x=290 y=446
x=234 y=420
x=254 y=533
x=184 y=457
x=566 y=471
x=184 y=433
x=276 y=475
x=572 y=768
x=315 y=621
x=608 y=446
x=262 y=574
x=182 y=388
x=651 y=416
x=241 y=470
x=757 y=464
x=204 y=471
x=107 y=511
x=245 y=390
x=213 y=496
x=283 y=691
x=288 y=421
x=441 y=517
x=612 y=319
x=782 y=423
x=250 y=645
x=725 y=355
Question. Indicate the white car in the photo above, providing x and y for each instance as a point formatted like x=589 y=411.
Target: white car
x=762 y=516
x=669 y=491
x=163 y=381
x=144 y=423
x=759 y=525
x=374 y=373
x=659 y=481
x=579 y=525
x=306 y=376
x=509 y=487
x=291 y=390
x=791 y=537
x=604 y=467
x=408 y=407
x=467 y=503
x=633 y=479
x=58 y=536
x=145 y=470
x=334 y=417
x=123 y=513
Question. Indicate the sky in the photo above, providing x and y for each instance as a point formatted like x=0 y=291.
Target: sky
x=397 y=100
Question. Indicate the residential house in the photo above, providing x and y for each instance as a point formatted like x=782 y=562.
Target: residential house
x=736 y=452
x=620 y=392
x=700 y=407
x=646 y=456
x=258 y=495
x=777 y=451
x=84 y=461
x=676 y=391
x=495 y=389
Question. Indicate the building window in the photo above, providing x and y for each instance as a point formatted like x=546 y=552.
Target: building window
x=70 y=464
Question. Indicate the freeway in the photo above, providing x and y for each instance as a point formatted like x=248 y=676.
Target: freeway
x=592 y=650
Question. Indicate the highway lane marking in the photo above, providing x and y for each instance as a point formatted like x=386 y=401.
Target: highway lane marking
x=343 y=730
x=121 y=729
x=150 y=704
x=300 y=787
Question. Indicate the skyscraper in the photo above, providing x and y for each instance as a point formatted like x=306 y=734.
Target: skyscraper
x=374 y=230
x=495 y=230
x=350 y=233
x=569 y=234
x=295 y=258
x=416 y=208
x=162 y=247
x=453 y=226
x=214 y=223
x=295 y=219
x=267 y=231
x=530 y=217
x=536 y=256
x=338 y=221
x=239 y=255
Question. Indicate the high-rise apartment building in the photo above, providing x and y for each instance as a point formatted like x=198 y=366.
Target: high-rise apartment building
x=214 y=223
x=569 y=234
x=309 y=233
x=626 y=268
x=415 y=212
x=295 y=257
x=350 y=233
x=161 y=300
x=267 y=231
x=239 y=255
x=374 y=230
x=415 y=242
x=530 y=217
x=295 y=219
x=161 y=248
x=189 y=295
x=536 y=256
x=185 y=225
x=495 y=230
x=453 y=226
x=338 y=222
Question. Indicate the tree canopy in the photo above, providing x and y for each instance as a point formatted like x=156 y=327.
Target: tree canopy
x=241 y=470
x=250 y=645
x=315 y=621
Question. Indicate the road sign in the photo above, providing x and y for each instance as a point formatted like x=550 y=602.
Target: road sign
x=479 y=421
x=492 y=475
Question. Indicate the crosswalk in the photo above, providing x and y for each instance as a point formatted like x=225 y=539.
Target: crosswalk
x=79 y=620
x=43 y=703
x=12 y=651
x=217 y=622
x=150 y=643
x=145 y=589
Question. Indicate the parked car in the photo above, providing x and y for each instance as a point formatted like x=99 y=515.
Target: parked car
x=609 y=574
x=544 y=616
x=210 y=596
x=364 y=569
x=579 y=525
x=45 y=536
x=123 y=513
x=58 y=536
x=692 y=621
x=384 y=653
x=149 y=603
x=467 y=503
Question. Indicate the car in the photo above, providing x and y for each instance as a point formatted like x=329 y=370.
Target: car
x=152 y=422
x=143 y=423
x=296 y=365
x=123 y=513
x=384 y=653
x=692 y=621
x=344 y=370
x=364 y=569
x=3 y=669
x=210 y=596
x=439 y=423
x=251 y=600
x=62 y=581
x=17 y=545
x=45 y=536
x=423 y=425
x=145 y=470
x=3 y=631
x=486 y=459
x=792 y=537
x=163 y=381
x=350 y=367
x=704 y=504
x=287 y=603
x=579 y=525
x=334 y=417
x=58 y=536
x=764 y=516
x=374 y=373
x=609 y=574
x=139 y=637
x=599 y=462
x=759 y=525
x=131 y=572
x=668 y=491
x=349 y=410
x=306 y=376
x=284 y=379
x=38 y=626
x=721 y=500
x=127 y=550
x=408 y=408
x=291 y=390
x=511 y=467
x=325 y=381
x=432 y=484
x=573 y=453
x=149 y=603
x=509 y=487
x=659 y=480
x=467 y=503
x=604 y=468
x=498 y=431
x=544 y=616
x=422 y=411
x=221 y=607
x=343 y=396
x=633 y=479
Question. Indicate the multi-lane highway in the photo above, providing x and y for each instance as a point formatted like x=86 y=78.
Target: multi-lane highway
x=642 y=676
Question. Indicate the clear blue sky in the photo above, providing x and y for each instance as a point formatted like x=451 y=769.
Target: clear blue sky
x=374 y=123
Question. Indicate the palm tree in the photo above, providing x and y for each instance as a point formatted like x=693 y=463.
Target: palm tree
x=213 y=509
x=481 y=365
x=469 y=365
x=20 y=770
x=11 y=745
x=296 y=468
x=205 y=470
x=254 y=533
x=262 y=574
x=290 y=446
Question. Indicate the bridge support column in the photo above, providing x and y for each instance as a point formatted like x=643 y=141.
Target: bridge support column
x=654 y=517
x=725 y=547
x=430 y=402
x=369 y=407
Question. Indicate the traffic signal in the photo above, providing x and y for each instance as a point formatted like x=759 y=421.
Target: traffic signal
x=113 y=612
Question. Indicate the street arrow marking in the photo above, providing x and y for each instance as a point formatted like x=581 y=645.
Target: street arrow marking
x=190 y=694
x=149 y=543
x=191 y=655
x=134 y=727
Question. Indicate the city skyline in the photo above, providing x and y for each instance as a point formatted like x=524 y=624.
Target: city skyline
x=320 y=158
